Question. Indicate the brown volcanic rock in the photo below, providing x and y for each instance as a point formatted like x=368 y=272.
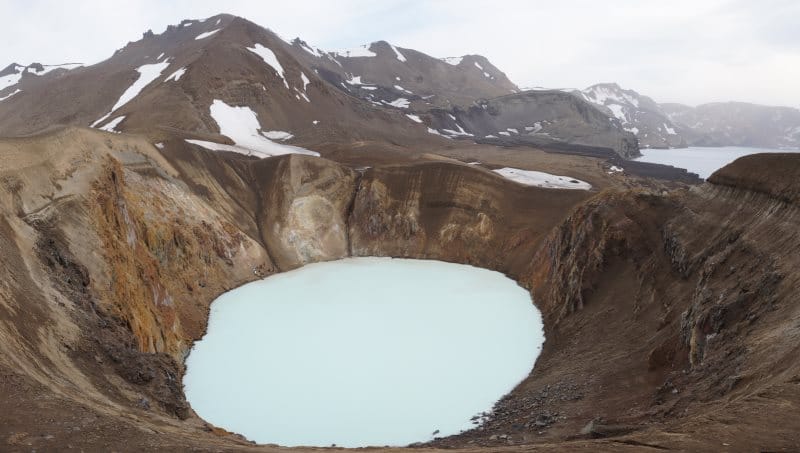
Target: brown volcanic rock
x=670 y=319
x=775 y=175
x=452 y=212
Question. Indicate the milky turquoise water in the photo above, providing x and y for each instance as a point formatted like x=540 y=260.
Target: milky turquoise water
x=362 y=351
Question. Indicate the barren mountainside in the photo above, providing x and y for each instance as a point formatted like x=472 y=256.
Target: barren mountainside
x=163 y=86
x=715 y=124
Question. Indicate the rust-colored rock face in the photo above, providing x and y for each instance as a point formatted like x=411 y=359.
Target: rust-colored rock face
x=661 y=309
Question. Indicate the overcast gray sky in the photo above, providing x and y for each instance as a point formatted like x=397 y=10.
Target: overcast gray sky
x=689 y=51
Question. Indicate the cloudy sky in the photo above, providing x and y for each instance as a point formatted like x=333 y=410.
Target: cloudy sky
x=689 y=51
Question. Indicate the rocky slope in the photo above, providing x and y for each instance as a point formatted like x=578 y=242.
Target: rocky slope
x=638 y=114
x=164 y=85
x=546 y=119
x=670 y=320
x=716 y=124
x=737 y=124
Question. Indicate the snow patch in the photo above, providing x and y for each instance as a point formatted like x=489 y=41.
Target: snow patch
x=478 y=66
x=435 y=132
x=356 y=80
x=49 y=68
x=400 y=56
x=9 y=80
x=402 y=103
x=455 y=61
x=278 y=135
x=618 y=111
x=9 y=95
x=241 y=125
x=305 y=80
x=270 y=59
x=206 y=34
x=111 y=126
x=414 y=118
x=360 y=51
x=542 y=179
x=669 y=130
x=147 y=74
x=176 y=75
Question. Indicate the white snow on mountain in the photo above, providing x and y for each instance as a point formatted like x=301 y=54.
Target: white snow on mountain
x=112 y=125
x=360 y=51
x=312 y=50
x=147 y=74
x=414 y=118
x=400 y=56
x=206 y=34
x=10 y=80
x=9 y=95
x=49 y=68
x=241 y=125
x=435 y=132
x=270 y=59
x=356 y=80
x=618 y=112
x=602 y=94
x=176 y=75
x=478 y=66
x=542 y=179
x=402 y=103
x=305 y=80
x=278 y=135
x=455 y=61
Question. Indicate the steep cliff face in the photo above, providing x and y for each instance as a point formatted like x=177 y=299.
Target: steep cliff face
x=451 y=212
x=303 y=209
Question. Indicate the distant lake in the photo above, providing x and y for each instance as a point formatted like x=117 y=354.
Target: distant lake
x=701 y=160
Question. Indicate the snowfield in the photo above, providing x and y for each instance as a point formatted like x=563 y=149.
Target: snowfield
x=112 y=125
x=542 y=179
x=400 y=56
x=270 y=59
x=10 y=80
x=176 y=75
x=402 y=103
x=206 y=34
x=278 y=135
x=147 y=73
x=360 y=51
x=240 y=124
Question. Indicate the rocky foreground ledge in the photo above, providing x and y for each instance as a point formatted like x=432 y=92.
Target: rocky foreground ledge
x=671 y=319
